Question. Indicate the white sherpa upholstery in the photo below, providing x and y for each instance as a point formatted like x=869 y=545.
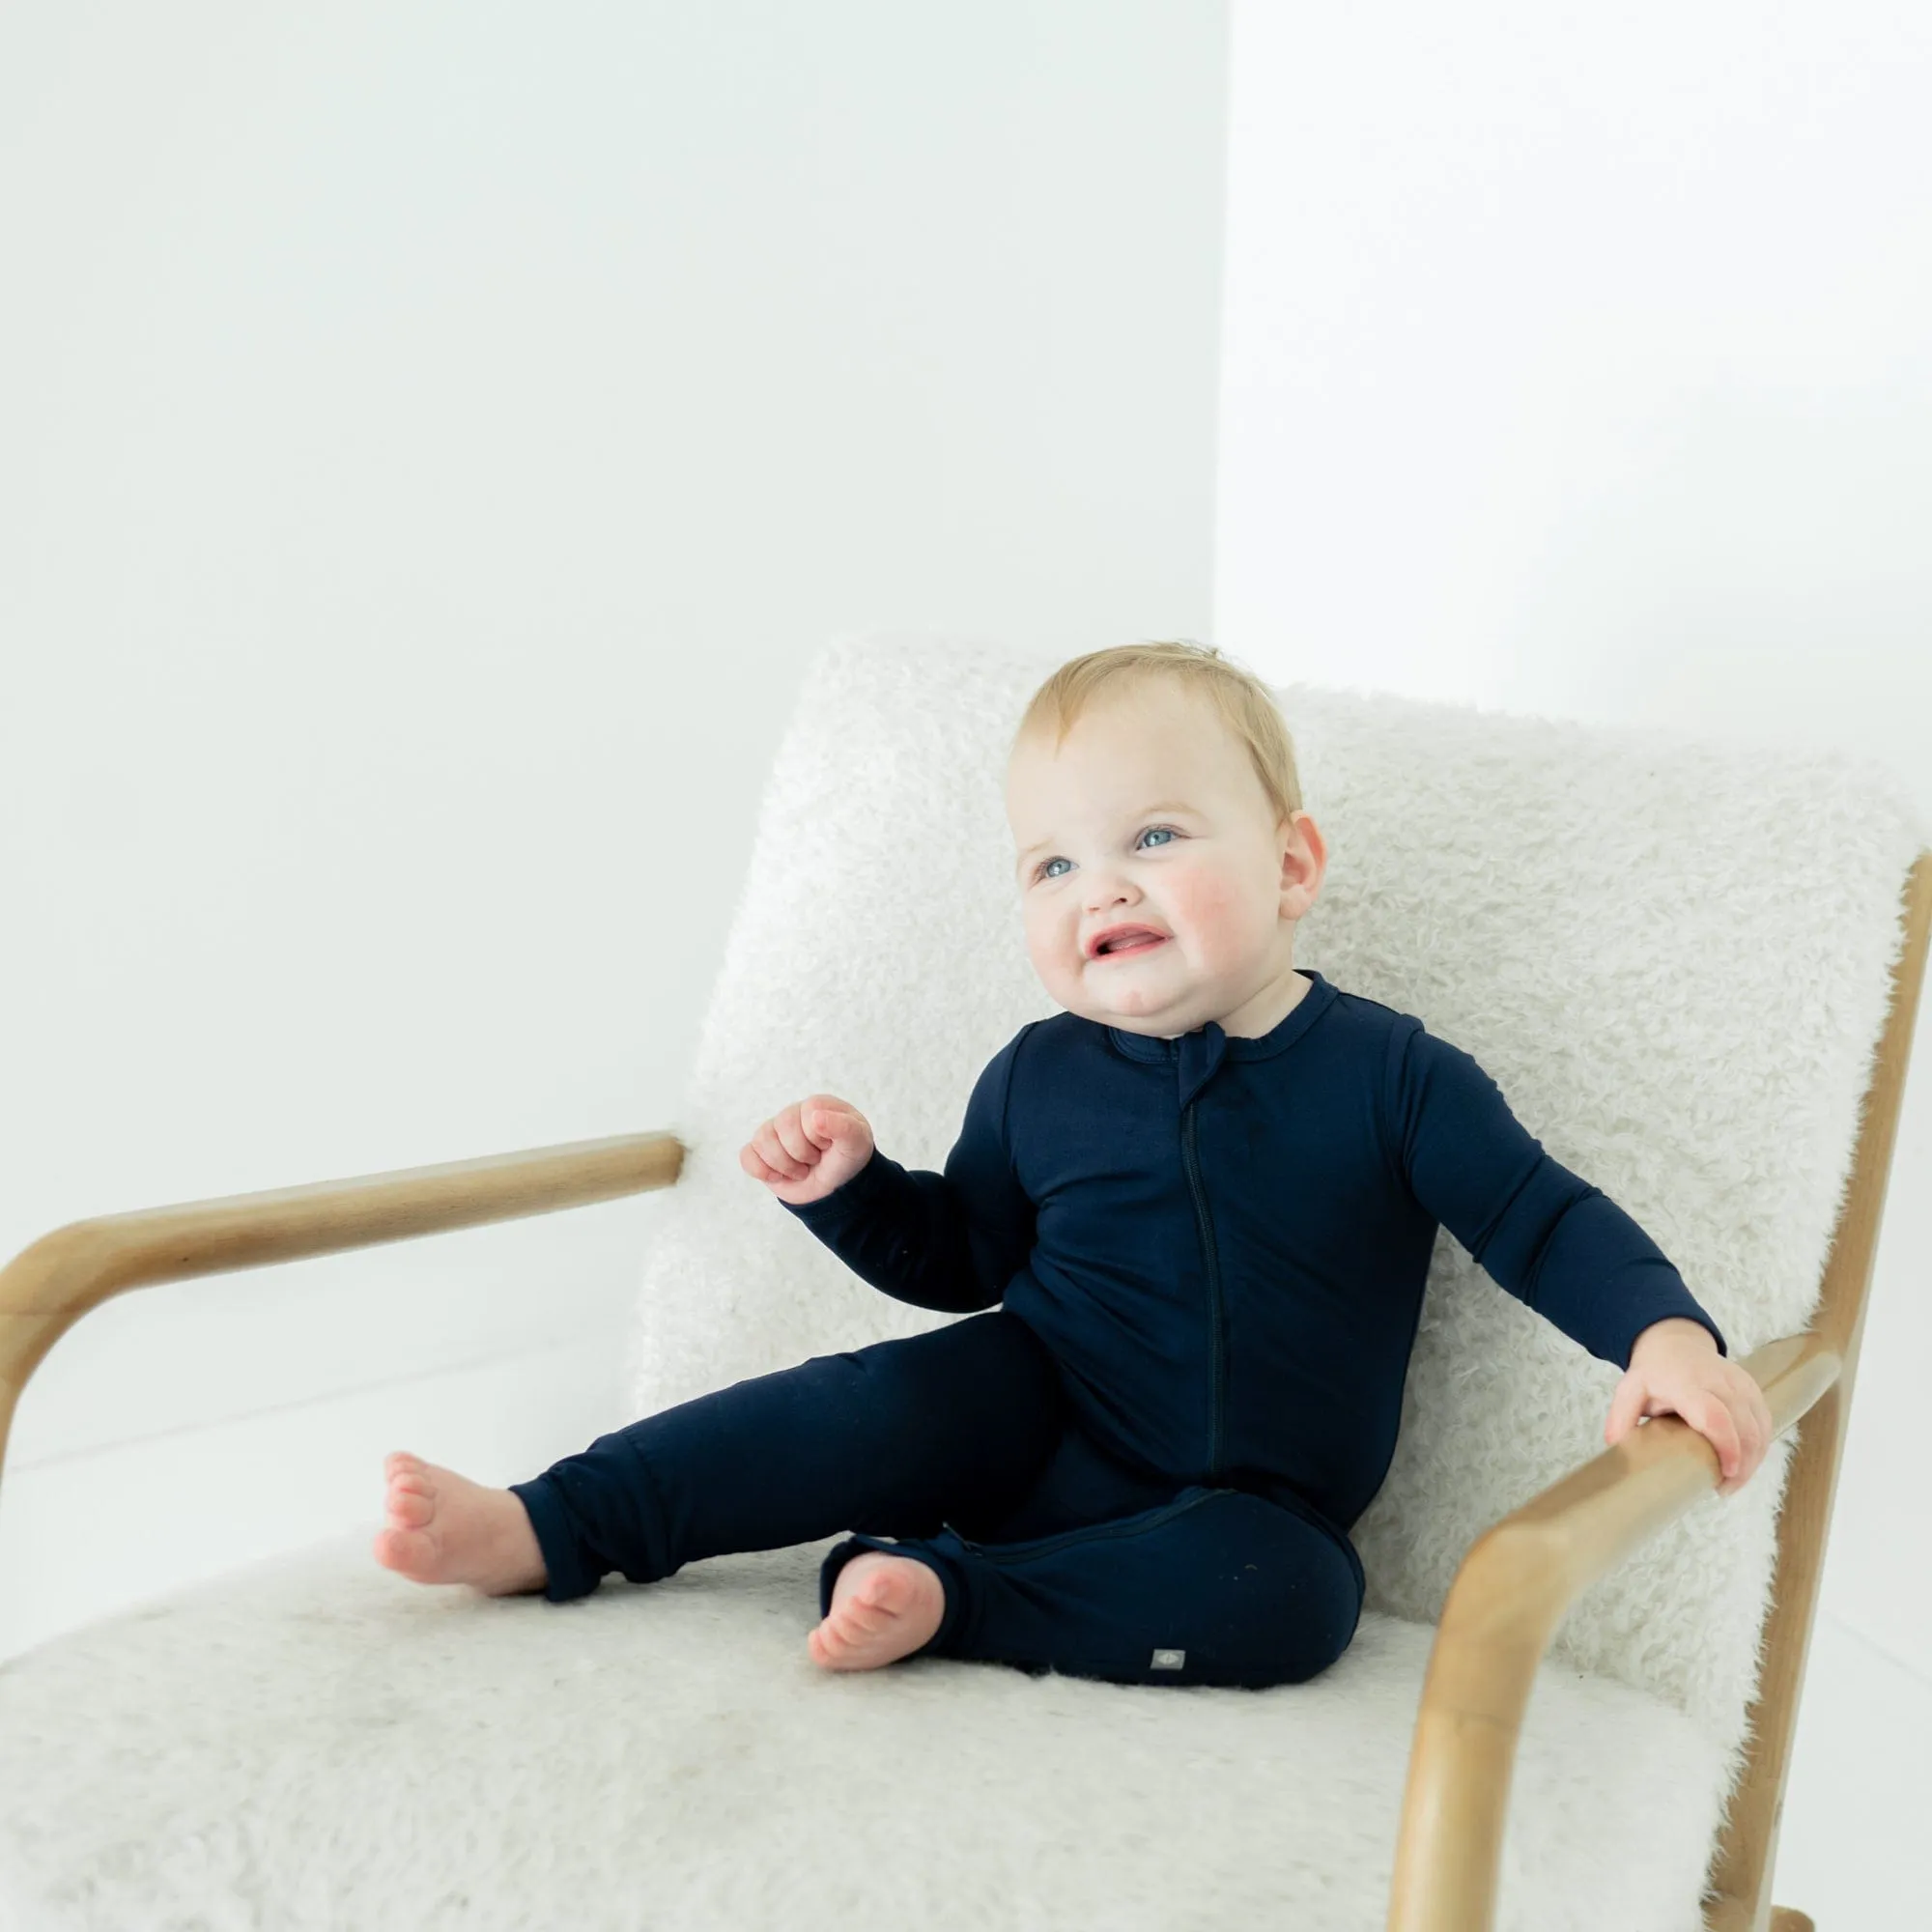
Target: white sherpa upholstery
x=1611 y=922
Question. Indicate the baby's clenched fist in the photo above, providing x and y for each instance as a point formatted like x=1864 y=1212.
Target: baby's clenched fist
x=811 y=1146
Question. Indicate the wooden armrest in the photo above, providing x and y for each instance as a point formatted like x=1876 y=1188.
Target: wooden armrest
x=47 y=1288
x=1511 y=1592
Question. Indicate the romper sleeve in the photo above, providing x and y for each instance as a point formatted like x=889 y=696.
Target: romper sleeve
x=1555 y=1242
x=949 y=1240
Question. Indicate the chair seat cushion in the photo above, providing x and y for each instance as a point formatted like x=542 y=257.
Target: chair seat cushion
x=314 y=1741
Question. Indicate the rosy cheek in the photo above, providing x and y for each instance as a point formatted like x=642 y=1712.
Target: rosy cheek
x=1208 y=907
x=1051 y=944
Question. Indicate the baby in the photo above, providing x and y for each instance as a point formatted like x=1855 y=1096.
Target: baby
x=1192 y=1375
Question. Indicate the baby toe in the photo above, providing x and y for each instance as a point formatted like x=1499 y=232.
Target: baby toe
x=409 y=1509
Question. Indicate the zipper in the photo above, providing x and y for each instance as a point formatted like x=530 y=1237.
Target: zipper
x=1022 y=1553
x=1217 y=1338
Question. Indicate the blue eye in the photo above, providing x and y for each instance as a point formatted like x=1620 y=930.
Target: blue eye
x=1039 y=872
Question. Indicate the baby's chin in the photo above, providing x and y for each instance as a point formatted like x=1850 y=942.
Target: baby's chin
x=1154 y=999
x=1157 y=1019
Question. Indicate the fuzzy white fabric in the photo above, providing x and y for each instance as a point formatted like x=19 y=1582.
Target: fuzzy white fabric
x=1610 y=920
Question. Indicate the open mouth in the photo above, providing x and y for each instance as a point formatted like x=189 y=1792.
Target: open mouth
x=1145 y=944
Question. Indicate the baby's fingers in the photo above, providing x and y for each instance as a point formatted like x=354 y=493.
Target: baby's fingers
x=777 y=1154
x=758 y=1167
x=1715 y=1422
x=789 y=1127
x=828 y=1125
x=833 y=1123
x=1756 y=1433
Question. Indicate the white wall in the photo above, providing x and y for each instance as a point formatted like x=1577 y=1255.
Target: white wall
x=432 y=440
x=1579 y=361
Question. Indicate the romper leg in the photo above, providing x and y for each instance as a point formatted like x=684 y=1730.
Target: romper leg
x=897 y=1437
x=1216 y=1586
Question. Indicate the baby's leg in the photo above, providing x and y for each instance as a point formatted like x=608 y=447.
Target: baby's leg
x=1216 y=1586
x=897 y=1437
x=881 y=1605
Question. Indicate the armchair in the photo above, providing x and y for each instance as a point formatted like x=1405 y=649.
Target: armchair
x=1572 y=1696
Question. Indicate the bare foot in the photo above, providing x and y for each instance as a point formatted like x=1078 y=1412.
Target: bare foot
x=443 y=1528
x=882 y=1608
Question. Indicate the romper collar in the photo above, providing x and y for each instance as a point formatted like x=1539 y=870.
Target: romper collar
x=1207 y=1045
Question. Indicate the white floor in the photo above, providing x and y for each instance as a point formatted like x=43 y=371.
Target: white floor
x=1857 y=1804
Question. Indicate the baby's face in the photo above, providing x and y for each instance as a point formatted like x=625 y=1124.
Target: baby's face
x=1151 y=815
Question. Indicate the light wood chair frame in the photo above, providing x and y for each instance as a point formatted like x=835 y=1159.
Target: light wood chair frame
x=1509 y=1593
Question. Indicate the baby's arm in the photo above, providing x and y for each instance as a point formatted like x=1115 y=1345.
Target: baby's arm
x=1570 y=1252
x=1550 y=1238
x=949 y=1240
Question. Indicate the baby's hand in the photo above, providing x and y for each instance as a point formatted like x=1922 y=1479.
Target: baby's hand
x=812 y=1147
x=1675 y=1369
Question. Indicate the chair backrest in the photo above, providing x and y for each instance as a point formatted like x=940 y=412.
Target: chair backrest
x=1673 y=955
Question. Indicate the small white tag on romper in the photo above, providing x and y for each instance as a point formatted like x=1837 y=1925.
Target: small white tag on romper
x=1167 y=1660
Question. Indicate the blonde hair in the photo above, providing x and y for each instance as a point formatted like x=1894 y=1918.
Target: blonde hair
x=1246 y=706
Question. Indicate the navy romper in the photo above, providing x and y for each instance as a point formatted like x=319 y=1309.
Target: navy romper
x=1202 y=1263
